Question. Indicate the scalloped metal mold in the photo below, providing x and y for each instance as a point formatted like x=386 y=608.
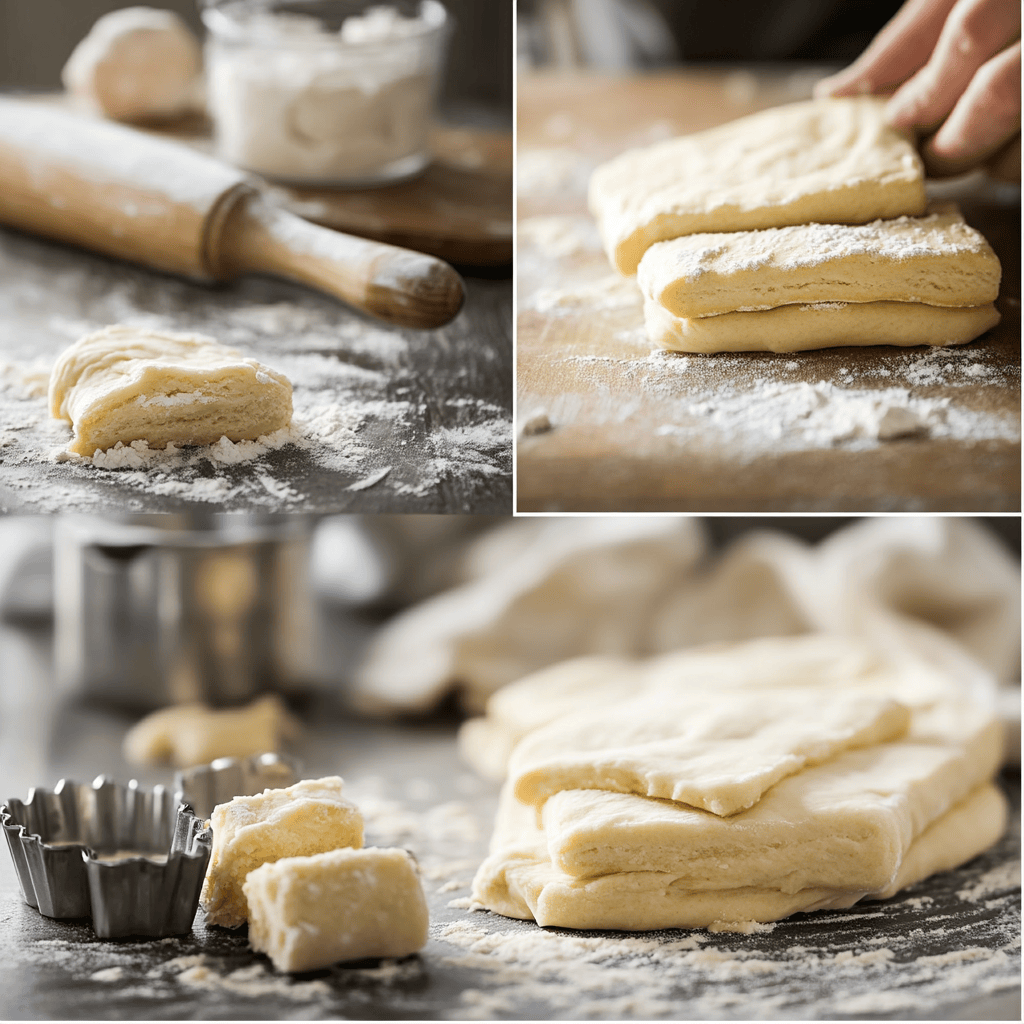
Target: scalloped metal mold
x=207 y=785
x=132 y=859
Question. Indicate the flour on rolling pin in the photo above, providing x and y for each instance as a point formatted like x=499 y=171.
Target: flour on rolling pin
x=48 y=140
x=294 y=100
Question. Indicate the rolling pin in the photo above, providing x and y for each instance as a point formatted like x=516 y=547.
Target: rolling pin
x=121 y=192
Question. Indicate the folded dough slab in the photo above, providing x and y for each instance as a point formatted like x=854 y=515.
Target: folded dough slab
x=130 y=384
x=850 y=787
x=835 y=161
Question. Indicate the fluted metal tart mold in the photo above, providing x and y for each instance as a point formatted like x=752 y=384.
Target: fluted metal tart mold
x=131 y=858
x=207 y=785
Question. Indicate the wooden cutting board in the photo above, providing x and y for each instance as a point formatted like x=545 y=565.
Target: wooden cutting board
x=459 y=208
x=636 y=431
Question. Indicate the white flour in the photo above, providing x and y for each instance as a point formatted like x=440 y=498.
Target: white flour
x=714 y=399
x=295 y=101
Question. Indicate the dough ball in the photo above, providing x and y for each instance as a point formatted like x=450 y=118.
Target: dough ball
x=136 y=64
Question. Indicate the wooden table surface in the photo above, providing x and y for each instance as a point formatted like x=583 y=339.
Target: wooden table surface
x=634 y=430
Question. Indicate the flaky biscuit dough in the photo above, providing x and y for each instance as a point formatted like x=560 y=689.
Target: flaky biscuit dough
x=835 y=161
x=719 y=752
x=861 y=823
x=937 y=259
x=163 y=387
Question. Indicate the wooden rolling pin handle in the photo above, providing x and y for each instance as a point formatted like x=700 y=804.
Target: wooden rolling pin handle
x=405 y=288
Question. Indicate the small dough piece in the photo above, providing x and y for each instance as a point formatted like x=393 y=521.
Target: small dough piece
x=822 y=325
x=720 y=752
x=937 y=259
x=191 y=734
x=835 y=161
x=136 y=64
x=309 y=817
x=131 y=383
x=306 y=913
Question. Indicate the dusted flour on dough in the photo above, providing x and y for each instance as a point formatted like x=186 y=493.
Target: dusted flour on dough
x=124 y=384
x=835 y=161
x=937 y=259
x=309 y=817
x=310 y=912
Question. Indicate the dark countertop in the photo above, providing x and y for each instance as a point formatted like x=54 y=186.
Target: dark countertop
x=431 y=411
x=945 y=949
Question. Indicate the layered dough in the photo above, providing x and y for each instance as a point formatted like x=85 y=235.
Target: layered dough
x=707 y=792
x=125 y=384
x=938 y=260
x=798 y=328
x=910 y=281
x=833 y=161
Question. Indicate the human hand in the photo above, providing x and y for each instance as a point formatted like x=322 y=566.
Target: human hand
x=952 y=68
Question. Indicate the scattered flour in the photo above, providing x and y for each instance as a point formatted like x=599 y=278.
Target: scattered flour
x=557 y=237
x=716 y=400
x=607 y=293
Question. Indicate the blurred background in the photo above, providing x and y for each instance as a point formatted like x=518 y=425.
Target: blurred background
x=37 y=36
x=616 y=35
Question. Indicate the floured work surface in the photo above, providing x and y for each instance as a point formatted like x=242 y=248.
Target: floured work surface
x=384 y=419
x=944 y=949
x=844 y=429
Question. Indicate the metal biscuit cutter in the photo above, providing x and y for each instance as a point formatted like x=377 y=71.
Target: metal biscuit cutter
x=132 y=859
x=207 y=785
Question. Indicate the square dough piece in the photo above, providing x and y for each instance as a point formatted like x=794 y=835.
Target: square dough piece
x=823 y=325
x=134 y=384
x=937 y=259
x=309 y=817
x=310 y=912
x=835 y=161
x=719 y=752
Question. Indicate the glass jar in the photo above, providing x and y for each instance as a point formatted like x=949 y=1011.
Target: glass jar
x=332 y=92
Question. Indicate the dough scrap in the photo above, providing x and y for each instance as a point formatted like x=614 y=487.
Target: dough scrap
x=797 y=328
x=719 y=752
x=136 y=64
x=835 y=161
x=937 y=259
x=310 y=912
x=309 y=817
x=130 y=383
x=194 y=734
